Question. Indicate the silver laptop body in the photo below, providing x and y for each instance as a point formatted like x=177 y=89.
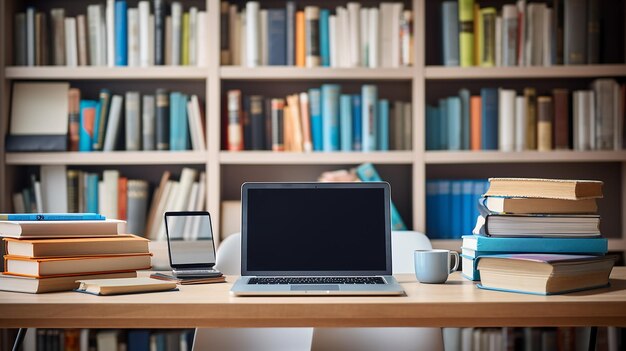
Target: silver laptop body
x=316 y=239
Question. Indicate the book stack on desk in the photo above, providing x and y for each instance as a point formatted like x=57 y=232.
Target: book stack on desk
x=44 y=253
x=535 y=216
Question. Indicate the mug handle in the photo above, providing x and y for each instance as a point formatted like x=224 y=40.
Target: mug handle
x=456 y=261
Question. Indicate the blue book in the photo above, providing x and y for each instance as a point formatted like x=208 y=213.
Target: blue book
x=175 y=125
x=464 y=94
x=450 y=30
x=489 y=127
x=444 y=209
x=184 y=121
x=139 y=340
x=92 y=192
x=357 y=123
x=483 y=245
x=432 y=128
x=87 y=119
x=121 y=33
x=382 y=135
x=369 y=98
x=324 y=37
x=456 y=210
x=454 y=122
x=345 y=122
x=431 y=209
x=367 y=173
x=276 y=37
x=443 y=124
x=330 y=116
x=315 y=106
x=51 y=217
x=468 y=203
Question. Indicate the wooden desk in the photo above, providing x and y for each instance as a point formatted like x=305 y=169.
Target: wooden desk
x=458 y=303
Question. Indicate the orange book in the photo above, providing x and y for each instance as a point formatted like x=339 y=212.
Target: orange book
x=293 y=102
x=475 y=122
x=122 y=196
x=288 y=128
x=71 y=247
x=66 y=266
x=300 y=40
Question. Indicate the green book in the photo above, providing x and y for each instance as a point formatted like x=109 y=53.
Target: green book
x=466 y=32
x=185 y=40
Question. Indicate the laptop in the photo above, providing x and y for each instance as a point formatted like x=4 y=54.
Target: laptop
x=316 y=239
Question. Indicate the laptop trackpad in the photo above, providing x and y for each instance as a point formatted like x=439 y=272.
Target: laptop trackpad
x=316 y=287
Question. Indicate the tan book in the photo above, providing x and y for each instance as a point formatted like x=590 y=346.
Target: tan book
x=545 y=123
x=293 y=102
x=545 y=188
x=124 y=286
x=82 y=37
x=306 y=122
x=188 y=281
x=520 y=205
x=121 y=244
x=57 y=17
x=43 y=285
x=65 y=266
x=59 y=229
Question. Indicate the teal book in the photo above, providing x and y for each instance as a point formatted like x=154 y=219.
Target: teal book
x=330 y=116
x=492 y=245
x=432 y=128
x=464 y=94
x=382 y=136
x=92 y=192
x=88 y=110
x=443 y=124
x=450 y=32
x=315 y=107
x=121 y=33
x=454 y=122
x=183 y=138
x=369 y=98
x=357 y=123
x=324 y=37
x=178 y=122
x=345 y=122
x=174 y=125
x=367 y=173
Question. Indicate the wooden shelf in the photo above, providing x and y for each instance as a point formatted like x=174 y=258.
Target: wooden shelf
x=89 y=72
x=295 y=158
x=107 y=158
x=581 y=71
x=325 y=73
x=455 y=157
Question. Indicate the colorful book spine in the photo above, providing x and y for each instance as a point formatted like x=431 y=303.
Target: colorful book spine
x=87 y=120
x=466 y=32
x=235 y=127
x=330 y=116
x=453 y=110
x=443 y=124
x=278 y=137
x=489 y=125
x=369 y=98
x=162 y=120
x=345 y=122
x=450 y=30
x=312 y=36
x=382 y=127
x=317 y=131
x=276 y=41
x=74 y=118
x=121 y=33
x=92 y=193
x=464 y=95
x=324 y=40
x=357 y=123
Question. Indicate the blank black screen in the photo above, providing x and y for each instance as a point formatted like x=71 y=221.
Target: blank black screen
x=316 y=229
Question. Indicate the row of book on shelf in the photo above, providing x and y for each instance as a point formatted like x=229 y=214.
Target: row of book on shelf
x=57 y=189
x=538 y=236
x=132 y=122
x=322 y=119
x=526 y=33
x=112 y=34
x=499 y=119
x=43 y=339
x=347 y=36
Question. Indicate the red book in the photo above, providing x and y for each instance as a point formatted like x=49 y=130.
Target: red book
x=122 y=196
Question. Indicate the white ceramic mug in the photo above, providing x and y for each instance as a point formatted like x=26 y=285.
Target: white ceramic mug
x=433 y=266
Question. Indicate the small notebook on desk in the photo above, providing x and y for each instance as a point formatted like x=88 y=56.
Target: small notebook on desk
x=124 y=286
x=188 y=281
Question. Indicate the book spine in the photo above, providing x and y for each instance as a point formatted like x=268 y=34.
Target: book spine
x=466 y=32
x=531 y=118
x=257 y=123
x=203 y=35
x=122 y=197
x=406 y=39
x=354 y=33
x=108 y=36
x=41 y=39
x=245 y=123
x=234 y=36
x=137 y=206
x=345 y=122
x=30 y=36
x=498 y=41
x=464 y=94
x=225 y=54
x=278 y=137
x=453 y=110
x=253 y=50
x=357 y=123
x=19 y=39
x=332 y=41
x=580 y=120
x=72 y=190
x=382 y=128
x=133 y=37
x=243 y=46
x=192 y=37
x=396 y=16
x=71 y=45
x=407 y=117
x=324 y=40
x=450 y=30
x=575 y=43
x=81 y=34
x=312 y=27
x=547 y=36
x=74 y=118
x=456 y=210
x=506 y=120
x=87 y=119
x=489 y=127
x=57 y=17
x=364 y=35
x=276 y=40
x=162 y=120
x=432 y=118
x=133 y=122
x=369 y=97
x=443 y=125
x=295 y=121
x=121 y=33
x=306 y=122
x=144 y=33
x=291 y=33
x=561 y=118
x=510 y=31
x=235 y=127
x=520 y=123
x=315 y=105
x=99 y=132
x=330 y=116
x=488 y=37
x=263 y=37
x=373 y=38
x=148 y=122
x=92 y=193
x=557 y=23
x=593 y=32
x=177 y=33
x=300 y=40
x=545 y=120
x=112 y=123
x=175 y=119
x=159 y=32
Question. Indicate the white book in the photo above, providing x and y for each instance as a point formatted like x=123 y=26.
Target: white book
x=101 y=190
x=547 y=36
x=144 y=33
x=234 y=34
x=344 y=36
x=94 y=25
x=202 y=59
x=133 y=37
x=332 y=38
x=581 y=118
x=396 y=14
x=30 y=36
x=520 y=123
x=157 y=220
x=110 y=33
x=177 y=25
x=102 y=40
x=373 y=39
x=38 y=197
x=191 y=121
x=71 y=44
x=364 y=35
x=253 y=28
x=498 y=41
x=197 y=116
x=195 y=228
x=110 y=179
x=386 y=10
x=354 y=19
x=521 y=44
x=193 y=36
x=189 y=222
x=406 y=36
x=506 y=120
x=243 y=37
x=151 y=40
x=187 y=177
x=113 y=123
x=54 y=188
x=263 y=39
x=18 y=203
x=168 y=205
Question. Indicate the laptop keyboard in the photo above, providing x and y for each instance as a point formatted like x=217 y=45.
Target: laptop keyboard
x=315 y=280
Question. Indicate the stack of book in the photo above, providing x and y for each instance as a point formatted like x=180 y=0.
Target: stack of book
x=539 y=236
x=321 y=119
x=46 y=253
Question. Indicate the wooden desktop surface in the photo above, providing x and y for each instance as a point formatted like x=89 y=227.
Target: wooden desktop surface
x=457 y=303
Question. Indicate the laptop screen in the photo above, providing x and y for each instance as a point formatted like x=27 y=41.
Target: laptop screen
x=316 y=229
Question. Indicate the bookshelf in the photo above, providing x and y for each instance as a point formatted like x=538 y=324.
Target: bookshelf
x=406 y=170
